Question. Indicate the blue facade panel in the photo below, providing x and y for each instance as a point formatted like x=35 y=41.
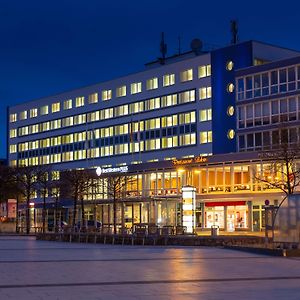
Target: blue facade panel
x=241 y=56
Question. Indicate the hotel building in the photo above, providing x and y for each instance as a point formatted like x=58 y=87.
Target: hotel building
x=198 y=119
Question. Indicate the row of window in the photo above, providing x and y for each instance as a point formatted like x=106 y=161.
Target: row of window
x=148 y=145
x=108 y=113
x=135 y=88
x=133 y=127
x=268 y=139
x=269 y=83
x=269 y=112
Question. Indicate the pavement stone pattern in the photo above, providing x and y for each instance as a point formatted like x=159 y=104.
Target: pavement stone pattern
x=33 y=269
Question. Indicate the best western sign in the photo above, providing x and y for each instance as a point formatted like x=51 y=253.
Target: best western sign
x=100 y=171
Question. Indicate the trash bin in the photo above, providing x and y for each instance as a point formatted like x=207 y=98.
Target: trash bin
x=214 y=230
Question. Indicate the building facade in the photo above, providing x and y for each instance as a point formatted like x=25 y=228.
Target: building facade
x=172 y=125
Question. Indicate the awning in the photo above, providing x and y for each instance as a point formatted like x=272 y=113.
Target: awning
x=225 y=203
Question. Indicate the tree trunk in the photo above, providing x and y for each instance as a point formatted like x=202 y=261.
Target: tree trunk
x=17 y=214
x=83 y=223
x=28 y=215
x=74 y=212
x=115 y=214
x=44 y=213
x=55 y=215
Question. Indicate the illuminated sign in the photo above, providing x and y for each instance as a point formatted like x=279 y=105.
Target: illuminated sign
x=189 y=208
x=192 y=160
x=100 y=171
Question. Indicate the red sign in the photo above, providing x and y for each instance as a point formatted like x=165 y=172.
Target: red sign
x=225 y=203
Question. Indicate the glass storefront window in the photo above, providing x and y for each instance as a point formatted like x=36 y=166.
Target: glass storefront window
x=203 y=180
x=237 y=217
x=227 y=178
x=214 y=216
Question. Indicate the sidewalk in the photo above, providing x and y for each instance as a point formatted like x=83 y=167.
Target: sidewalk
x=33 y=269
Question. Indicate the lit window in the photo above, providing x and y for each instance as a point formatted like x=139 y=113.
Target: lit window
x=204 y=71
x=186 y=75
x=55 y=124
x=187 y=139
x=230 y=111
x=205 y=115
x=34 y=128
x=153 y=144
x=230 y=134
x=93 y=98
x=68 y=104
x=229 y=65
x=169 y=100
x=33 y=113
x=106 y=95
x=121 y=91
x=136 y=107
x=152 y=83
x=13 y=148
x=79 y=101
x=44 y=110
x=23 y=115
x=187 y=96
x=205 y=137
x=12 y=118
x=230 y=88
x=136 y=87
x=205 y=93
x=55 y=107
x=13 y=133
x=169 y=142
x=46 y=126
x=168 y=79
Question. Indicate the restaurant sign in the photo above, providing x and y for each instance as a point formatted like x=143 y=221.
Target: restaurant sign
x=192 y=160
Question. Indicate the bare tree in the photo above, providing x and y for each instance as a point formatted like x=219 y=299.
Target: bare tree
x=114 y=187
x=43 y=186
x=26 y=180
x=283 y=168
x=54 y=192
x=8 y=187
x=75 y=184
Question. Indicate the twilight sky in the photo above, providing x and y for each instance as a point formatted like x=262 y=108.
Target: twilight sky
x=48 y=47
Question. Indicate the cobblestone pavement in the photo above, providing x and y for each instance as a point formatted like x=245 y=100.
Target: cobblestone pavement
x=50 y=270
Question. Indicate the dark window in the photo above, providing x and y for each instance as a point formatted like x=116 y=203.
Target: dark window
x=241 y=141
x=250 y=140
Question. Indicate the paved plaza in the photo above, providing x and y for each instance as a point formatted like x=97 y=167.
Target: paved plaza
x=33 y=269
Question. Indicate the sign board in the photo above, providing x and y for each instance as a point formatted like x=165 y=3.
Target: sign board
x=8 y=209
x=189 y=208
x=192 y=160
x=11 y=208
x=122 y=169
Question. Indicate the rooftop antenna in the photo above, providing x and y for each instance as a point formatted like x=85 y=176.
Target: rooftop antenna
x=234 y=31
x=179 y=45
x=163 y=49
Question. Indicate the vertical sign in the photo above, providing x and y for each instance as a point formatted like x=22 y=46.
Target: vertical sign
x=188 y=208
x=11 y=208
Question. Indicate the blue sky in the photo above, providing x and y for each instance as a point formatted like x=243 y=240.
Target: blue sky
x=49 y=47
